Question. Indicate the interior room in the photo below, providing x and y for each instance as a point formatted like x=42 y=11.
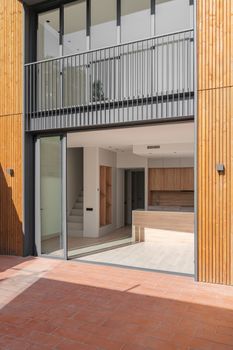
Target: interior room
x=130 y=197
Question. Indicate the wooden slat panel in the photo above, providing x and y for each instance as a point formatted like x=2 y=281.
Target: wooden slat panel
x=11 y=237
x=215 y=26
x=215 y=140
x=11 y=49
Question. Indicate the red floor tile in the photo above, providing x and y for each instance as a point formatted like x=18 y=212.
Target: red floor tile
x=50 y=304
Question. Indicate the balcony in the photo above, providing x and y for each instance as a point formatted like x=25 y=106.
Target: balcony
x=143 y=81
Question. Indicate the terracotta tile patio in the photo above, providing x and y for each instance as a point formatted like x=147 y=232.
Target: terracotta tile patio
x=50 y=304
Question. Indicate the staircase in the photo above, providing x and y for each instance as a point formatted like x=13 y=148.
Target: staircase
x=75 y=219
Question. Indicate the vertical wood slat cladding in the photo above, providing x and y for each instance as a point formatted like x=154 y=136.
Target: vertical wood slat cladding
x=215 y=140
x=11 y=54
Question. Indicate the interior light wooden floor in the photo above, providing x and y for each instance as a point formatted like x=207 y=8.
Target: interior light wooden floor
x=168 y=251
x=76 y=245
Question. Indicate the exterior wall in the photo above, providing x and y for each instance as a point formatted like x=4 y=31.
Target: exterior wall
x=11 y=53
x=215 y=140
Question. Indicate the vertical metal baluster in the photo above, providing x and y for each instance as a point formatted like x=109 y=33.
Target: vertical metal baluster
x=173 y=75
x=71 y=92
x=137 y=77
x=41 y=94
x=178 y=76
x=34 y=93
x=55 y=87
x=94 y=86
x=123 y=83
x=110 y=85
x=162 y=75
x=105 y=79
x=167 y=92
x=114 y=82
x=45 y=94
x=142 y=79
x=118 y=82
x=75 y=91
x=127 y=81
x=157 y=78
x=132 y=78
x=152 y=55
x=148 y=74
x=91 y=87
x=79 y=76
x=183 y=64
x=188 y=73
x=86 y=109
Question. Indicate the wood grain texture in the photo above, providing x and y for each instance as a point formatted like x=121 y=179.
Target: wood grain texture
x=11 y=85
x=215 y=140
x=164 y=220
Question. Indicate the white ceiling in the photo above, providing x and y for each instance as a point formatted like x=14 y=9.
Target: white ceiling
x=175 y=140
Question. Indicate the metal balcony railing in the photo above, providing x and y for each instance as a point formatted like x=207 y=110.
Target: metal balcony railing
x=140 y=81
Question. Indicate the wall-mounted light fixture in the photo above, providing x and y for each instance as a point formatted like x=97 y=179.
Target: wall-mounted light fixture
x=10 y=172
x=220 y=168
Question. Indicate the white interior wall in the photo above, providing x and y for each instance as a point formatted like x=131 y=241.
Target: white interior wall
x=186 y=162
x=74 y=175
x=91 y=191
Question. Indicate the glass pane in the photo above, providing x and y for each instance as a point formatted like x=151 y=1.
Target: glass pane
x=135 y=19
x=74 y=40
x=48 y=35
x=103 y=23
x=51 y=196
x=172 y=16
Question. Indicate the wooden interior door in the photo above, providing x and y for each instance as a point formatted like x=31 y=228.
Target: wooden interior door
x=105 y=195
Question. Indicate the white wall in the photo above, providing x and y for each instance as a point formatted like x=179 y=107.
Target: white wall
x=74 y=175
x=129 y=160
x=171 y=163
x=91 y=191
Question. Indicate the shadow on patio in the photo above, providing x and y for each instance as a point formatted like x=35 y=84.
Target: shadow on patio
x=78 y=306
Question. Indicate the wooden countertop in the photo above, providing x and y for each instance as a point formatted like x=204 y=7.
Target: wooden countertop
x=164 y=220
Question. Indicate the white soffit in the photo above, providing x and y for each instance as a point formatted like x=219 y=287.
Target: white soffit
x=171 y=138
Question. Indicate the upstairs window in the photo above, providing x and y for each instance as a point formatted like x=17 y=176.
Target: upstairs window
x=48 y=35
x=173 y=15
x=74 y=39
x=103 y=23
x=135 y=20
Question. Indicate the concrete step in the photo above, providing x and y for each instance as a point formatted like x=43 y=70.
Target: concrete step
x=77 y=212
x=75 y=218
x=75 y=226
x=78 y=205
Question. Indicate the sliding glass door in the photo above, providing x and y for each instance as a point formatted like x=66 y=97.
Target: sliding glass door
x=50 y=196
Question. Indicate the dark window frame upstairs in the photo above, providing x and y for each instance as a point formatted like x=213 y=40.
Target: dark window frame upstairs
x=33 y=11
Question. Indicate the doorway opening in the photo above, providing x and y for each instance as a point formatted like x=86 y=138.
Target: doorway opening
x=134 y=192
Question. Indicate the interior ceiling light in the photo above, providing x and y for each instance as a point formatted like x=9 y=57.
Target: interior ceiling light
x=153 y=147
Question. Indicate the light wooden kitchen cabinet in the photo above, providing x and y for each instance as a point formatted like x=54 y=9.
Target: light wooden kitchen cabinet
x=187 y=179
x=171 y=179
